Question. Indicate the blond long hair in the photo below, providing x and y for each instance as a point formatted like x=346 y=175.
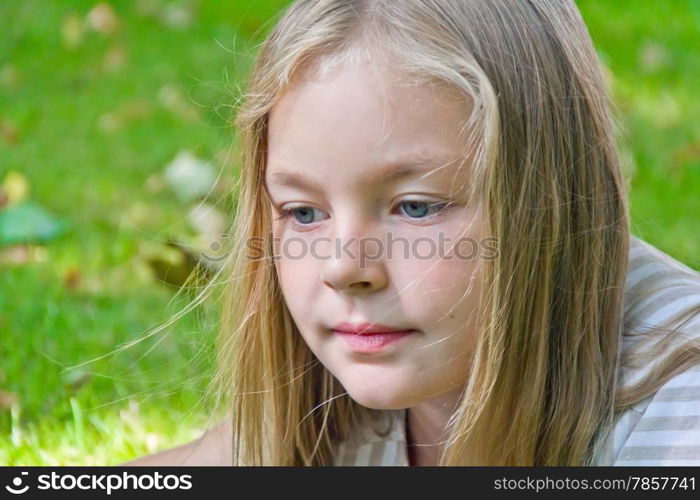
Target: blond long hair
x=543 y=388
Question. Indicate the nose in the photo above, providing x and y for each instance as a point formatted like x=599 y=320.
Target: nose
x=356 y=265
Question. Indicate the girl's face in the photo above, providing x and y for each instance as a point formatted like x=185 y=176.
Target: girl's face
x=333 y=147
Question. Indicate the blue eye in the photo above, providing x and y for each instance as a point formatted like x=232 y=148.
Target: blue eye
x=303 y=215
x=415 y=210
x=419 y=209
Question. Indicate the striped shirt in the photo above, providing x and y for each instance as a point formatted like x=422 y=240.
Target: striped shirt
x=663 y=429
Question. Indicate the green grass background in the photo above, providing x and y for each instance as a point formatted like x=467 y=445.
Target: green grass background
x=56 y=99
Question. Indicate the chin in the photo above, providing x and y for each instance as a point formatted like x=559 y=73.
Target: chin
x=379 y=397
x=378 y=403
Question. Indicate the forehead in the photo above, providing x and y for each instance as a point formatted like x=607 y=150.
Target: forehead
x=358 y=117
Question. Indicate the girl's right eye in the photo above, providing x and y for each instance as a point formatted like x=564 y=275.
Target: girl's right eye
x=303 y=215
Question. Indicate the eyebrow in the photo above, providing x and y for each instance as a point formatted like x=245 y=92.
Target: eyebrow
x=404 y=167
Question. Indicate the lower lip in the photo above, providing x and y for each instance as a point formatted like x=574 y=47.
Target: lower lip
x=372 y=342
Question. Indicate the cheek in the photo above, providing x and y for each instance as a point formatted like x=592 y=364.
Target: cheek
x=296 y=280
x=445 y=300
x=298 y=272
x=437 y=288
x=443 y=278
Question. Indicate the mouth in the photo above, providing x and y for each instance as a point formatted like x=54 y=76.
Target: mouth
x=370 y=337
x=367 y=328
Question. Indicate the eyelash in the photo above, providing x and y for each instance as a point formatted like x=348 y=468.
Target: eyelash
x=446 y=205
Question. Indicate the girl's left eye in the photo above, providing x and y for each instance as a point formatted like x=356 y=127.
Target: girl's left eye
x=423 y=210
x=415 y=210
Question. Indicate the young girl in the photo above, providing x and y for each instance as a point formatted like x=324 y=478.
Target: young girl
x=539 y=332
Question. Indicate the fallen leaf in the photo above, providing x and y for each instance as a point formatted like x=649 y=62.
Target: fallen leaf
x=109 y=123
x=8 y=133
x=212 y=252
x=155 y=183
x=115 y=120
x=652 y=56
x=28 y=222
x=138 y=216
x=16 y=187
x=4 y=198
x=138 y=109
x=148 y=8
x=211 y=225
x=103 y=19
x=114 y=59
x=72 y=30
x=10 y=76
x=16 y=254
x=23 y=254
x=205 y=218
x=71 y=279
x=662 y=109
x=173 y=263
x=207 y=221
x=173 y=100
x=189 y=177
x=8 y=400
x=689 y=153
x=176 y=16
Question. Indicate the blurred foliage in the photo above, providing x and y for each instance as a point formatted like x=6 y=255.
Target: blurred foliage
x=655 y=70
x=96 y=101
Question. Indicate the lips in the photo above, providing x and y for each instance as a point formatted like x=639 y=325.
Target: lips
x=368 y=328
x=370 y=337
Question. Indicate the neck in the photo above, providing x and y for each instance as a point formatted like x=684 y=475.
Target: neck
x=426 y=428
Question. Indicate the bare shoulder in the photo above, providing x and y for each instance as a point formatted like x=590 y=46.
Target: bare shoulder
x=212 y=448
